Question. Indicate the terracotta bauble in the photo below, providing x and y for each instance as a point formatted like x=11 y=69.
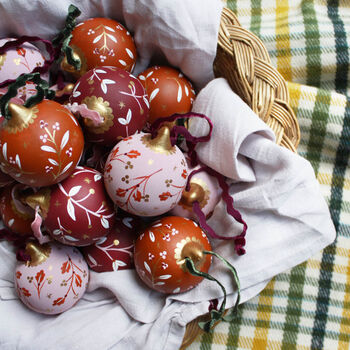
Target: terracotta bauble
x=21 y=60
x=16 y=216
x=41 y=145
x=116 y=250
x=101 y=42
x=204 y=189
x=168 y=91
x=53 y=280
x=77 y=211
x=160 y=253
x=118 y=97
x=146 y=176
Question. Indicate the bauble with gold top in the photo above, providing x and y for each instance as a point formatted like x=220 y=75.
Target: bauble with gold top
x=120 y=100
x=53 y=280
x=40 y=145
x=146 y=176
x=161 y=251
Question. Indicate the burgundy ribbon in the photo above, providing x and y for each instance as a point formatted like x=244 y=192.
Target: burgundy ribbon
x=239 y=240
x=176 y=130
x=23 y=39
x=18 y=241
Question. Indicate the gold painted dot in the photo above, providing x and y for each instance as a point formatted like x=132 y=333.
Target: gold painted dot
x=116 y=242
x=150 y=162
x=92 y=191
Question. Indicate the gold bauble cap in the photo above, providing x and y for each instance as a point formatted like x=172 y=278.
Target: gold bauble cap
x=38 y=253
x=195 y=194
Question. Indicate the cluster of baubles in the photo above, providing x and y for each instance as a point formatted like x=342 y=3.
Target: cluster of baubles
x=79 y=178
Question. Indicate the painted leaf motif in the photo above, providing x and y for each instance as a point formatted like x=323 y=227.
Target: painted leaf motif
x=153 y=94
x=141 y=77
x=133 y=153
x=70 y=238
x=126 y=222
x=159 y=283
x=151 y=236
x=121 y=192
x=78 y=280
x=176 y=290
x=52 y=161
x=110 y=29
x=123 y=63
x=97 y=39
x=129 y=52
x=18 y=161
x=145 y=100
x=92 y=259
x=149 y=74
x=100 y=71
x=48 y=149
x=25 y=292
x=112 y=37
x=65 y=139
x=164 y=277
x=57 y=232
x=128 y=116
x=66 y=167
x=65 y=267
x=122 y=121
x=164 y=196
x=147 y=267
x=4 y=150
x=70 y=209
x=40 y=276
x=137 y=196
x=58 y=301
x=117 y=263
x=179 y=94
x=10 y=222
x=76 y=93
x=101 y=240
x=73 y=191
x=104 y=222
x=97 y=177
x=186 y=90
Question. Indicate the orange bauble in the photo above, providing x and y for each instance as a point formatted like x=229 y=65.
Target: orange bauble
x=160 y=253
x=168 y=91
x=101 y=42
x=41 y=145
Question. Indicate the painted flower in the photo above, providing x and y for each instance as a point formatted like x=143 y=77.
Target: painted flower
x=164 y=265
x=163 y=254
x=150 y=256
x=43 y=138
x=56 y=126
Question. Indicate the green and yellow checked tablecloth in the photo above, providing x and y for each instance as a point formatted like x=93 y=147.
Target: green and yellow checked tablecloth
x=307 y=307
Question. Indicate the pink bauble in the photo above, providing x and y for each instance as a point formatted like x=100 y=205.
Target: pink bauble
x=116 y=250
x=146 y=176
x=118 y=97
x=204 y=189
x=54 y=280
x=77 y=211
x=20 y=60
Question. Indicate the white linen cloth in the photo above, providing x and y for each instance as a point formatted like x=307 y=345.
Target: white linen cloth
x=274 y=189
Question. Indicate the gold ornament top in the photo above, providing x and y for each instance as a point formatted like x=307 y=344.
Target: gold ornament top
x=189 y=248
x=198 y=192
x=66 y=90
x=41 y=199
x=38 y=253
x=21 y=118
x=161 y=143
x=102 y=107
x=78 y=54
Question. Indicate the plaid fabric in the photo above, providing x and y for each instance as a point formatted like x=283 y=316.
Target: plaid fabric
x=307 y=307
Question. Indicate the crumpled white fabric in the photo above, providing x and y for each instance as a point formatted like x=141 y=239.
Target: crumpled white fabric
x=274 y=189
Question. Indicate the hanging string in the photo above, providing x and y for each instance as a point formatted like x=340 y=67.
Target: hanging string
x=42 y=88
x=25 y=39
x=62 y=39
x=214 y=314
x=18 y=241
x=239 y=240
x=176 y=130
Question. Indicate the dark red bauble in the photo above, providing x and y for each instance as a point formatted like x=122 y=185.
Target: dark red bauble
x=118 y=97
x=160 y=253
x=76 y=211
x=116 y=250
x=15 y=216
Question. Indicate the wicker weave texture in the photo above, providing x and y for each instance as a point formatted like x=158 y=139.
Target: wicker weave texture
x=244 y=61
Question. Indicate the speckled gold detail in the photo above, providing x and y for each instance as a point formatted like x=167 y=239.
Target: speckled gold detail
x=99 y=105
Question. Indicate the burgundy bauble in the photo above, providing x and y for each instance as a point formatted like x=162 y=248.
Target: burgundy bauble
x=116 y=250
x=118 y=97
x=16 y=216
x=160 y=253
x=76 y=211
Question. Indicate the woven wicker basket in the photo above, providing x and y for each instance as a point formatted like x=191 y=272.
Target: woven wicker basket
x=244 y=61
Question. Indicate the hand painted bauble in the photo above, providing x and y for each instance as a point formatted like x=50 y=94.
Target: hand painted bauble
x=204 y=189
x=41 y=145
x=118 y=97
x=53 y=280
x=168 y=91
x=146 y=176
x=76 y=211
x=160 y=253
x=20 y=60
x=101 y=42
x=116 y=250
x=16 y=216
